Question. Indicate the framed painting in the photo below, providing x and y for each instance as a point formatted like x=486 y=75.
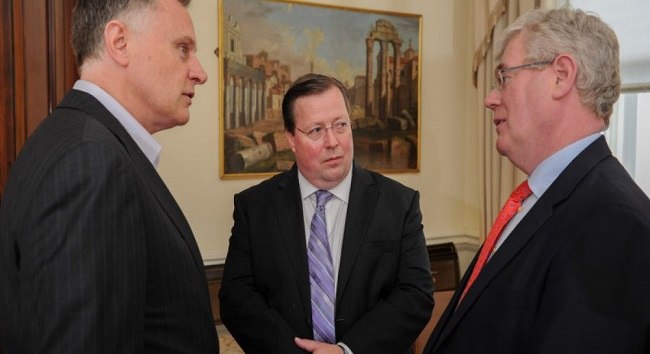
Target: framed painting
x=264 y=45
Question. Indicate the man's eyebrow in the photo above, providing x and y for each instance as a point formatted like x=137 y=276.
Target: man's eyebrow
x=187 y=40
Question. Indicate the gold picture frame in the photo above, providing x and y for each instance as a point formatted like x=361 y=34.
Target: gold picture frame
x=266 y=44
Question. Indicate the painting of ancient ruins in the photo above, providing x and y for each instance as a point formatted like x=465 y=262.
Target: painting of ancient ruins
x=266 y=44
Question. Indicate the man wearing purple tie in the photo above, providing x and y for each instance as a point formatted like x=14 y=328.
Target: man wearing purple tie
x=327 y=257
x=570 y=272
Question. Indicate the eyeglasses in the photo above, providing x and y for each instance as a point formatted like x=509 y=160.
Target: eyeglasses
x=500 y=79
x=317 y=132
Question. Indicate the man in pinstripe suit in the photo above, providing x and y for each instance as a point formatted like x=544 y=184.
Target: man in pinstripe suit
x=95 y=254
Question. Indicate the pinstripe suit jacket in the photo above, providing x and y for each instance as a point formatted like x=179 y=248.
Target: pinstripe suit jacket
x=95 y=254
x=384 y=290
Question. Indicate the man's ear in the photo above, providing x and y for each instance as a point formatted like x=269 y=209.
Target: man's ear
x=116 y=36
x=565 y=70
x=290 y=140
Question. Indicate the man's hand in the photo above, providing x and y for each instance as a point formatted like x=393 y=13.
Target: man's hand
x=313 y=346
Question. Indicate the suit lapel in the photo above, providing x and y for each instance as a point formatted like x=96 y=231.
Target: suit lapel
x=519 y=237
x=87 y=103
x=363 y=195
x=543 y=209
x=287 y=204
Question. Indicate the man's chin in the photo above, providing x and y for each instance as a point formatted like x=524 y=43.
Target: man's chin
x=182 y=120
x=501 y=148
x=335 y=176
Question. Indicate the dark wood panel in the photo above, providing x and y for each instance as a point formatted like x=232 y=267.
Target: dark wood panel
x=444 y=266
x=62 y=68
x=37 y=68
x=35 y=75
x=6 y=93
x=214 y=274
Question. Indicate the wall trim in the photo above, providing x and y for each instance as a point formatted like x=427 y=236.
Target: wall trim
x=463 y=243
x=214 y=256
x=456 y=239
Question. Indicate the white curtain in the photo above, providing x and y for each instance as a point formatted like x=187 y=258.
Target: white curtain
x=498 y=176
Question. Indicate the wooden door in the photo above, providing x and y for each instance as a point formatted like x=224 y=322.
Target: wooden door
x=6 y=93
x=37 y=69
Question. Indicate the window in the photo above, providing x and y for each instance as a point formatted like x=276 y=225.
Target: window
x=629 y=135
x=629 y=130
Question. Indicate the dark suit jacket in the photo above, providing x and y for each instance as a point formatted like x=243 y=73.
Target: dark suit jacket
x=384 y=291
x=572 y=277
x=96 y=255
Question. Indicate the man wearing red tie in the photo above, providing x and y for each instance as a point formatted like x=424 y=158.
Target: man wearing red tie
x=566 y=266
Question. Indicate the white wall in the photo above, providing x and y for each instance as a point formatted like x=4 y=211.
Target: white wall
x=447 y=181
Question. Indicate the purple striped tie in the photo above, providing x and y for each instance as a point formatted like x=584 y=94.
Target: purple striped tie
x=321 y=273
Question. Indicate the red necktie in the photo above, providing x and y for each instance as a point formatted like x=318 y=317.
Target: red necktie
x=507 y=212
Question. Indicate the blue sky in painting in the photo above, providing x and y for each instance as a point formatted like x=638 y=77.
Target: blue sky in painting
x=297 y=34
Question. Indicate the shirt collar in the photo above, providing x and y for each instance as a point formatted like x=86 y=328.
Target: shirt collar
x=341 y=191
x=138 y=133
x=546 y=172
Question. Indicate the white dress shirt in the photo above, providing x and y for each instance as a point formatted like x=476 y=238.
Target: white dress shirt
x=335 y=214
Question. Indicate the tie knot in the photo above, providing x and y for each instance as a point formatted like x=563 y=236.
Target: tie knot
x=521 y=192
x=322 y=197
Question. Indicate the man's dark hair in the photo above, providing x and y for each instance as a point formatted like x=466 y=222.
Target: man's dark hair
x=91 y=16
x=307 y=85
